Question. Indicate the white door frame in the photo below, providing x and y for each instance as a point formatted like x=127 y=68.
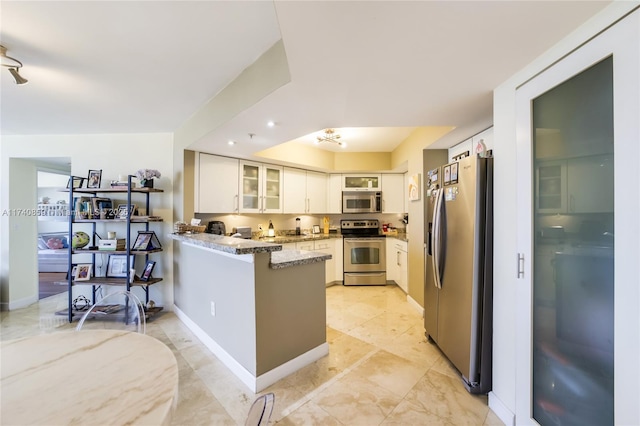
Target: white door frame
x=623 y=42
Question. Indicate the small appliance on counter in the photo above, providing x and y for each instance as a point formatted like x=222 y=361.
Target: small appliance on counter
x=244 y=231
x=216 y=227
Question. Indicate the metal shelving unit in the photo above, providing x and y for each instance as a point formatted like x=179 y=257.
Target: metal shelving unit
x=96 y=282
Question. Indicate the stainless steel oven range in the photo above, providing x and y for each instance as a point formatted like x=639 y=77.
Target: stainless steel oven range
x=364 y=252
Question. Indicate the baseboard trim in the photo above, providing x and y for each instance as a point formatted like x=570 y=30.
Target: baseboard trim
x=255 y=384
x=501 y=410
x=22 y=303
x=415 y=305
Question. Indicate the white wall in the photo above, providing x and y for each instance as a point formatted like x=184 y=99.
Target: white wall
x=115 y=155
x=503 y=396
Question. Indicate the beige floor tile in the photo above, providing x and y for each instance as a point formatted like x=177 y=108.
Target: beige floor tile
x=445 y=397
x=377 y=355
x=354 y=400
x=407 y=413
x=391 y=372
x=309 y=414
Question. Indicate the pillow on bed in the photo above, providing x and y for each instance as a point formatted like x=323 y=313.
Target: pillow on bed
x=53 y=241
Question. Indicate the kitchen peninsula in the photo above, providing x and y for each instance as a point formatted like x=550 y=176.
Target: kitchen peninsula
x=260 y=309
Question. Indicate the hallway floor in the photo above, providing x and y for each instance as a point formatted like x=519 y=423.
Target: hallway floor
x=380 y=369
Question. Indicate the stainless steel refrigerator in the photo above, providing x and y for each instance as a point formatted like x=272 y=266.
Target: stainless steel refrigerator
x=458 y=266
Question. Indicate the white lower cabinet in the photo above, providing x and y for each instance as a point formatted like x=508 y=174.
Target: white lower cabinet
x=325 y=246
x=397 y=263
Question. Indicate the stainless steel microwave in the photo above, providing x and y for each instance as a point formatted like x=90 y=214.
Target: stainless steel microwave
x=361 y=202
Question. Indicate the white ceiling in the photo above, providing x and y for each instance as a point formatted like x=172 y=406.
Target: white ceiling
x=143 y=67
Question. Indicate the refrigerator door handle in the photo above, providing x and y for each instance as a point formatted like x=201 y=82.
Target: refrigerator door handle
x=436 y=235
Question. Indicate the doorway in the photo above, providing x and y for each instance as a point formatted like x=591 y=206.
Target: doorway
x=52 y=239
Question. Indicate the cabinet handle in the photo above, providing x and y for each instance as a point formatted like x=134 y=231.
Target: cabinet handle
x=236 y=203
x=520 y=266
x=398 y=258
x=572 y=203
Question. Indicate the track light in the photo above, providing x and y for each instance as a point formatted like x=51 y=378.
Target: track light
x=13 y=65
x=17 y=77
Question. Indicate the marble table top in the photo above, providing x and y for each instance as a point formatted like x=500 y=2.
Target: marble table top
x=93 y=377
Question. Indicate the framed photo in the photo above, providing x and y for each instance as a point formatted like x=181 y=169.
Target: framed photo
x=102 y=207
x=74 y=266
x=117 y=265
x=146 y=240
x=123 y=210
x=83 y=271
x=454 y=173
x=447 y=174
x=148 y=269
x=77 y=182
x=93 y=180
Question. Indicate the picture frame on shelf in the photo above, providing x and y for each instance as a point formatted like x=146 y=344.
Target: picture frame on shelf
x=122 y=212
x=77 y=182
x=83 y=272
x=117 y=265
x=148 y=269
x=146 y=240
x=102 y=208
x=74 y=266
x=93 y=179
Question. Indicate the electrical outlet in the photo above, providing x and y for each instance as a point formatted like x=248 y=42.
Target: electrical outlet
x=213 y=309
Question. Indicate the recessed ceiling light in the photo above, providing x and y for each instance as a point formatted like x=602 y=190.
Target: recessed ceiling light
x=342 y=144
x=231 y=142
x=271 y=123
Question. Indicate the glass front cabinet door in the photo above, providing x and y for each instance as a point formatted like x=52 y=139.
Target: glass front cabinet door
x=577 y=229
x=260 y=188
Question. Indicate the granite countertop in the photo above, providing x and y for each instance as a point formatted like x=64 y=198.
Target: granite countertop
x=279 y=258
x=284 y=239
x=227 y=244
x=286 y=258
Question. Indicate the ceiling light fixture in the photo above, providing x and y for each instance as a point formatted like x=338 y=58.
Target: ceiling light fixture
x=330 y=136
x=271 y=123
x=231 y=142
x=13 y=65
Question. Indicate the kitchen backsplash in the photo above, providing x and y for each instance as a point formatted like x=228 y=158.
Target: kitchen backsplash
x=288 y=221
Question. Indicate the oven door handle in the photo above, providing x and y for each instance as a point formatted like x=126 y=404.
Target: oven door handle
x=359 y=240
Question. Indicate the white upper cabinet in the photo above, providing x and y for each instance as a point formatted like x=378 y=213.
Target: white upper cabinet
x=316 y=192
x=304 y=191
x=295 y=190
x=393 y=193
x=361 y=182
x=334 y=194
x=464 y=147
x=260 y=188
x=468 y=147
x=216 y=183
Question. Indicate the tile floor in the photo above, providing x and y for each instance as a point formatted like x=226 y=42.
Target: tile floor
x=380 y=369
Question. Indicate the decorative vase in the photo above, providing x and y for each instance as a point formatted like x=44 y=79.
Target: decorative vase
x=147 y=183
